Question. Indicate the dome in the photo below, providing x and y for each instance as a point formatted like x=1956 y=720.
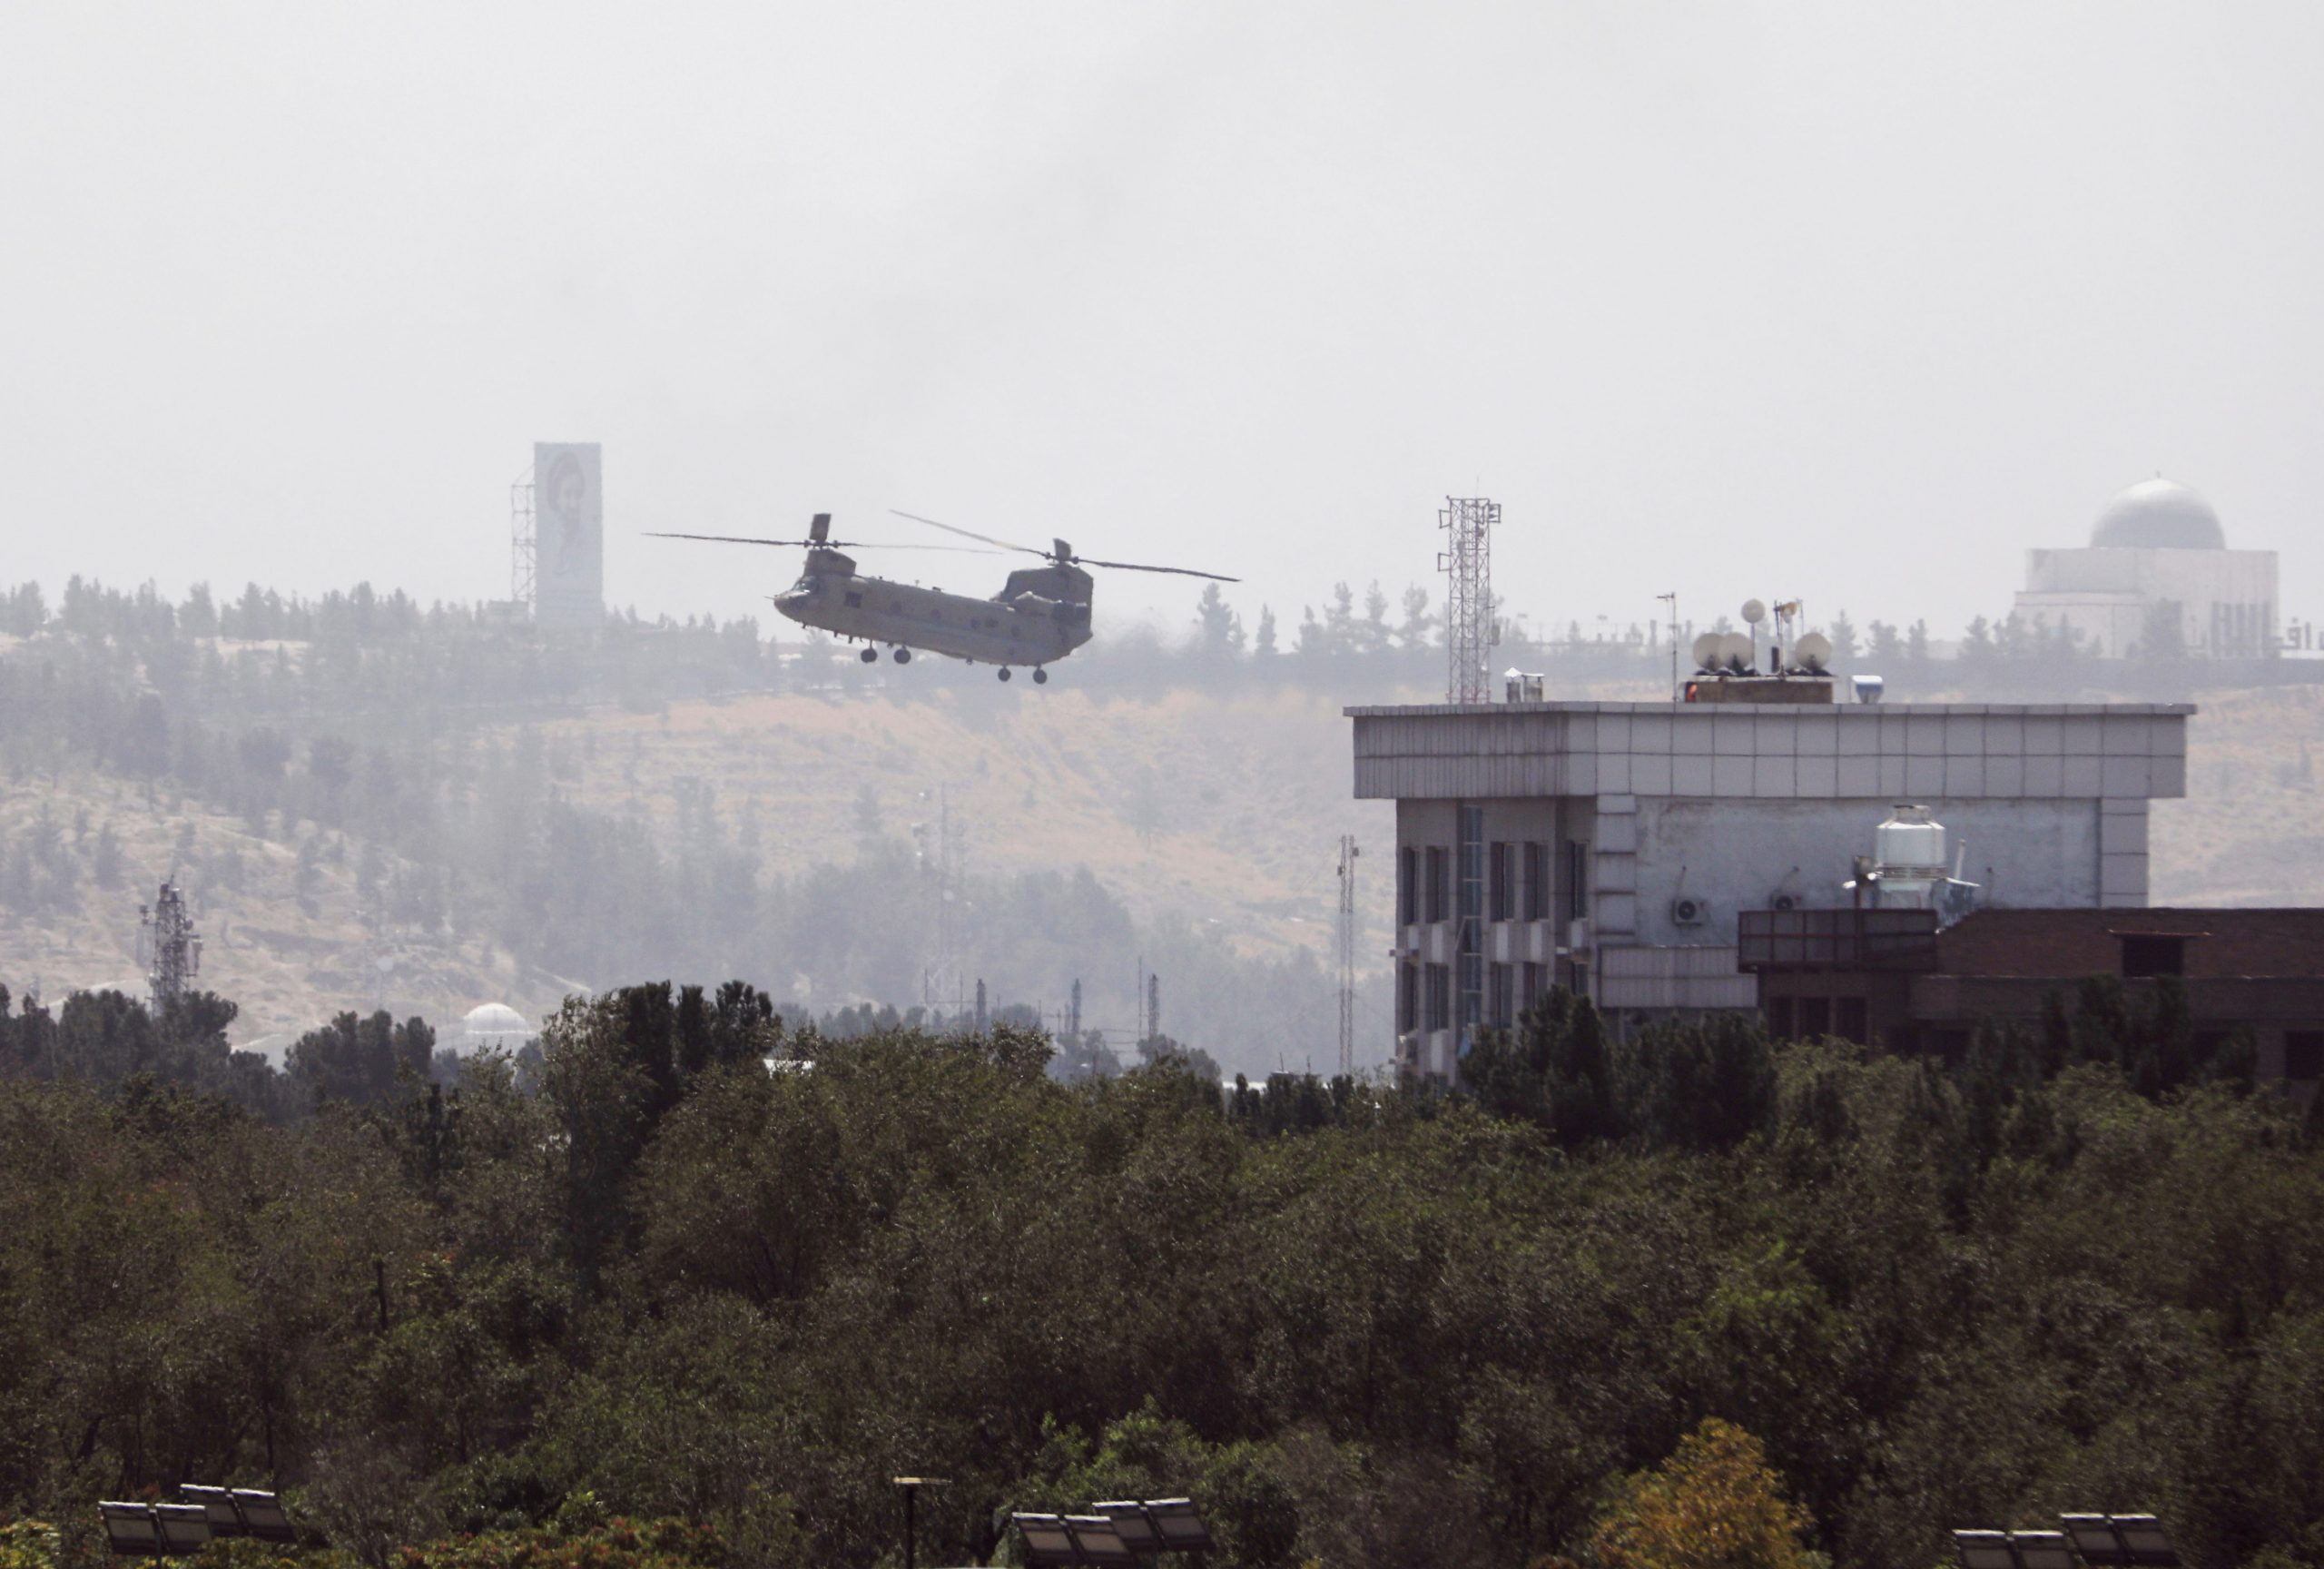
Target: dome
x=495 y=1024
x=2159 y=513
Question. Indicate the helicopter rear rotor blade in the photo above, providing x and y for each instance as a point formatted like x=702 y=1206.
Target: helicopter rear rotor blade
x=970 y=533
x=1141 y=566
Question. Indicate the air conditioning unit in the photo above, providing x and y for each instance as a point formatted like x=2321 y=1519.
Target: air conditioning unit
x=1783 y=901
x=1687 y=910
x=1577 y=935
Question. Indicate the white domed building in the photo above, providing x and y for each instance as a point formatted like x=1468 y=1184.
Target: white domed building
x=2156 y=578
x=492 y=1025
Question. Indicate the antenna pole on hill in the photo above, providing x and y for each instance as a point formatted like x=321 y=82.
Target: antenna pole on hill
x=173 y=945
x=1348 y=853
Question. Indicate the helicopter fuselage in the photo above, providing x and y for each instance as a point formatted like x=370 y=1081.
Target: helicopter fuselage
x=1043 y=614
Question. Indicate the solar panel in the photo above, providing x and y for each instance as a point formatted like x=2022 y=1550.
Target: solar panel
x=1100 y=1543
x=2093 y=1537
x=131 y=1529
x=2146 y=1540
x=2043 y=1549
x=185 y=1527
x=1137 y=1532
x=1984 y=1550
x=1047 y=1543
x=263 y=1516
x=225 y=1520
x=1180 y=1528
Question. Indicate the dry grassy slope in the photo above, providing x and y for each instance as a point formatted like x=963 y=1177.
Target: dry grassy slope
x=287 y=970
x=2251 y=828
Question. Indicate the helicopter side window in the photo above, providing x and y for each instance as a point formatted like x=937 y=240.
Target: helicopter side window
x=855 y=601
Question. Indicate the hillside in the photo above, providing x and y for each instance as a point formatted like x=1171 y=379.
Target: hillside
x=1219 y=811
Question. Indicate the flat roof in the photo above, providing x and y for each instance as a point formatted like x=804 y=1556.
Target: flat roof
x=1787 y=710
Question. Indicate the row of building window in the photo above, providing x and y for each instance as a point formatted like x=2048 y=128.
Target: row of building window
x=1424 y=999
x=1520 y=883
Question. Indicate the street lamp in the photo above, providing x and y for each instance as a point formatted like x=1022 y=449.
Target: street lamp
x=911 y=1486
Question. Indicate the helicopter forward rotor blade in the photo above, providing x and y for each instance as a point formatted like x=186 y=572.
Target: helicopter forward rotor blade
x=826 y=544
x=1139 y=566
x=970 y=533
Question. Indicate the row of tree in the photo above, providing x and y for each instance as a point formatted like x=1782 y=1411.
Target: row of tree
x=645 y=1277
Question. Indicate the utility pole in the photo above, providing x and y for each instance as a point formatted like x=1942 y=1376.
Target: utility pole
x=1347 y=955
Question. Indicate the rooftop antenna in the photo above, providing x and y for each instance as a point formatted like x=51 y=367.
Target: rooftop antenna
x=1671 y=599
x=1466 y=562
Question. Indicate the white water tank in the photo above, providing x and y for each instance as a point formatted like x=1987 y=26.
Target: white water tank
x=1909 y=842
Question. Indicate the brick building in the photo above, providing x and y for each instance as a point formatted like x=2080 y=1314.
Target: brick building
x=1890 y=978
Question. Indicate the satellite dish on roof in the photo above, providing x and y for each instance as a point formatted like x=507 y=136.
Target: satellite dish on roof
x=1707 y=647
x=1754 y=611
x=1814 y=652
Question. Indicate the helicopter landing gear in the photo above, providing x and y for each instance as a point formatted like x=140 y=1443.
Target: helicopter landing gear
x=1040 y=676
x=904 y=656
x=1004 y=672
x=870 y=655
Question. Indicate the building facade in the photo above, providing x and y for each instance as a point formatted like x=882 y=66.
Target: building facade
x=1892 y=979
x=1609 y=847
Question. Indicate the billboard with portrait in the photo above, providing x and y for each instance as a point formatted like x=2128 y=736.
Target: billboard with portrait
x=568 y=534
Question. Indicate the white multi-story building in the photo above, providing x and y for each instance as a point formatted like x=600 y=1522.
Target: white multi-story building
x=2156 y=578
x=1607 y=847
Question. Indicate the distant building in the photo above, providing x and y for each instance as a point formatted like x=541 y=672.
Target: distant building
x=2156 y=578
x=1889 y=978
x=492 y=1026
x=1609 y=847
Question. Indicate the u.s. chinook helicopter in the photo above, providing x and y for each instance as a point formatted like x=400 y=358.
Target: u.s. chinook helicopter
x=1040 y=615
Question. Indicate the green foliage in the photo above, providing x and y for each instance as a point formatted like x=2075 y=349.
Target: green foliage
x=1360 y=1326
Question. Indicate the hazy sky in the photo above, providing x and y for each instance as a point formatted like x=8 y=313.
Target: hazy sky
x=1853 y=301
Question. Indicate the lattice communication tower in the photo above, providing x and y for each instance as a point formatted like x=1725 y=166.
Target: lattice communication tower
x=1466 y=562
x=173 y=947
x=524 y=551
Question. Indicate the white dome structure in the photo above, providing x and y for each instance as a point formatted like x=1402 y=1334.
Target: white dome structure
x=2158 y=514
x=2156 y=580
x=493 y=1025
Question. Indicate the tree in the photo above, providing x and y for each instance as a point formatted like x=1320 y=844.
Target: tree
x=1715 y=1504
x=1844 y=642
x=1267 y=648
x=1219 y=630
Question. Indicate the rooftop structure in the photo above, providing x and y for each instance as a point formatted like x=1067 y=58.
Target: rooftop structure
x=1609 y=847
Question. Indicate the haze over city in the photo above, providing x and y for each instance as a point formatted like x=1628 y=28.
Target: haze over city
x=1849 y=302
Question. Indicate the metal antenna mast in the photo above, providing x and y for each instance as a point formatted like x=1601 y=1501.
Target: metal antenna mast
x=1348 y=853
x=1466 y=562
x=1671 y=599
x=524 y=554
x=173 y=947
